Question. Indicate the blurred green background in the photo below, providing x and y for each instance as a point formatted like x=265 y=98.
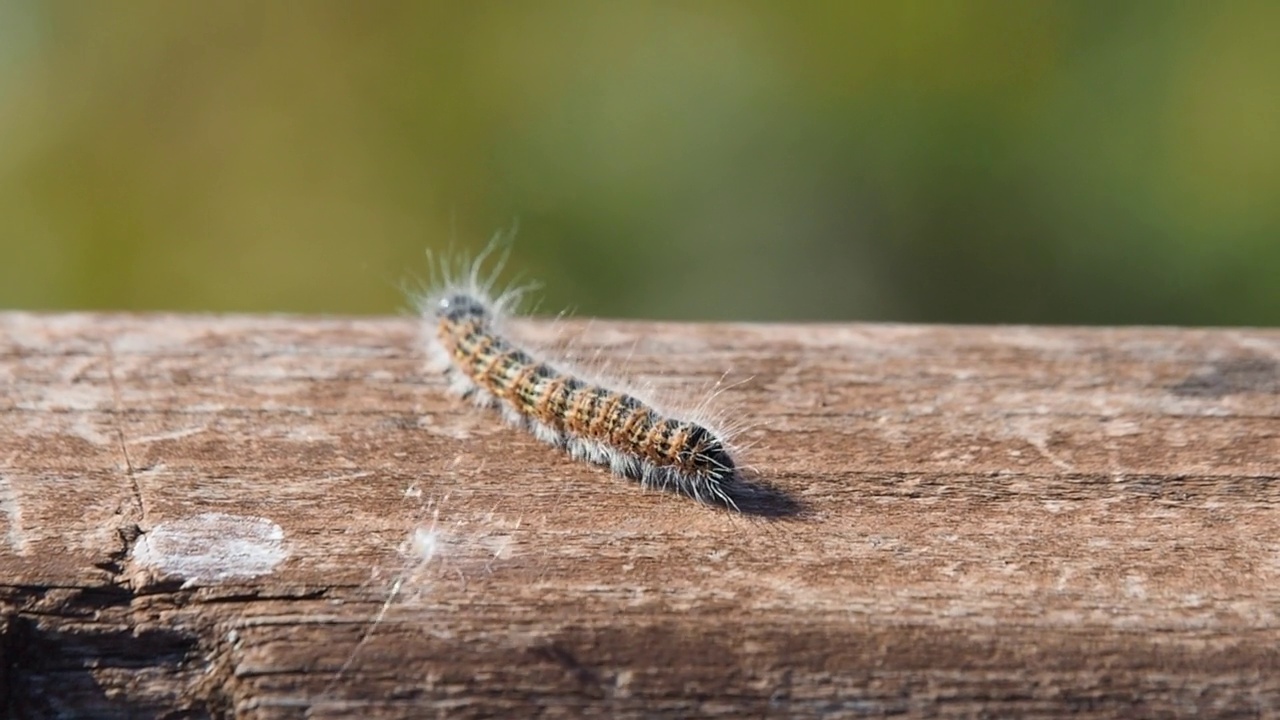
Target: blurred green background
x=976 y=161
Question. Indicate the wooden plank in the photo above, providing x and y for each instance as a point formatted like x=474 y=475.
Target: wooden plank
x=277 y=517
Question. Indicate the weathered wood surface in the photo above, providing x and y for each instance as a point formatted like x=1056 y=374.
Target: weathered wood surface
x=260 y=517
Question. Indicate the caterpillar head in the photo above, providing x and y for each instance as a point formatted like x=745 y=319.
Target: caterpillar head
x=709 y=454
x=459 y=306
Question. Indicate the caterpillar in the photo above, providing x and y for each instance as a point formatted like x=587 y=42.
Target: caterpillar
x=464 y=332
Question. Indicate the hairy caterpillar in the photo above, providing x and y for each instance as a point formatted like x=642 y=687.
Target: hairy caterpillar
x=463 y=329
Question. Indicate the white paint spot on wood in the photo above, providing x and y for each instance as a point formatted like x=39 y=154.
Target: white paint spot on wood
x=213 y=547
x=424 y=543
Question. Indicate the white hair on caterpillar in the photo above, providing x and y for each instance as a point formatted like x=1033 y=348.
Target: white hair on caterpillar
x=606 y=421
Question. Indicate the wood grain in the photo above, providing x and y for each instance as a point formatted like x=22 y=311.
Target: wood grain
x=281 y=517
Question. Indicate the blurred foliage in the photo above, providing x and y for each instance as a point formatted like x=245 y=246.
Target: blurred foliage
x=935 y=160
